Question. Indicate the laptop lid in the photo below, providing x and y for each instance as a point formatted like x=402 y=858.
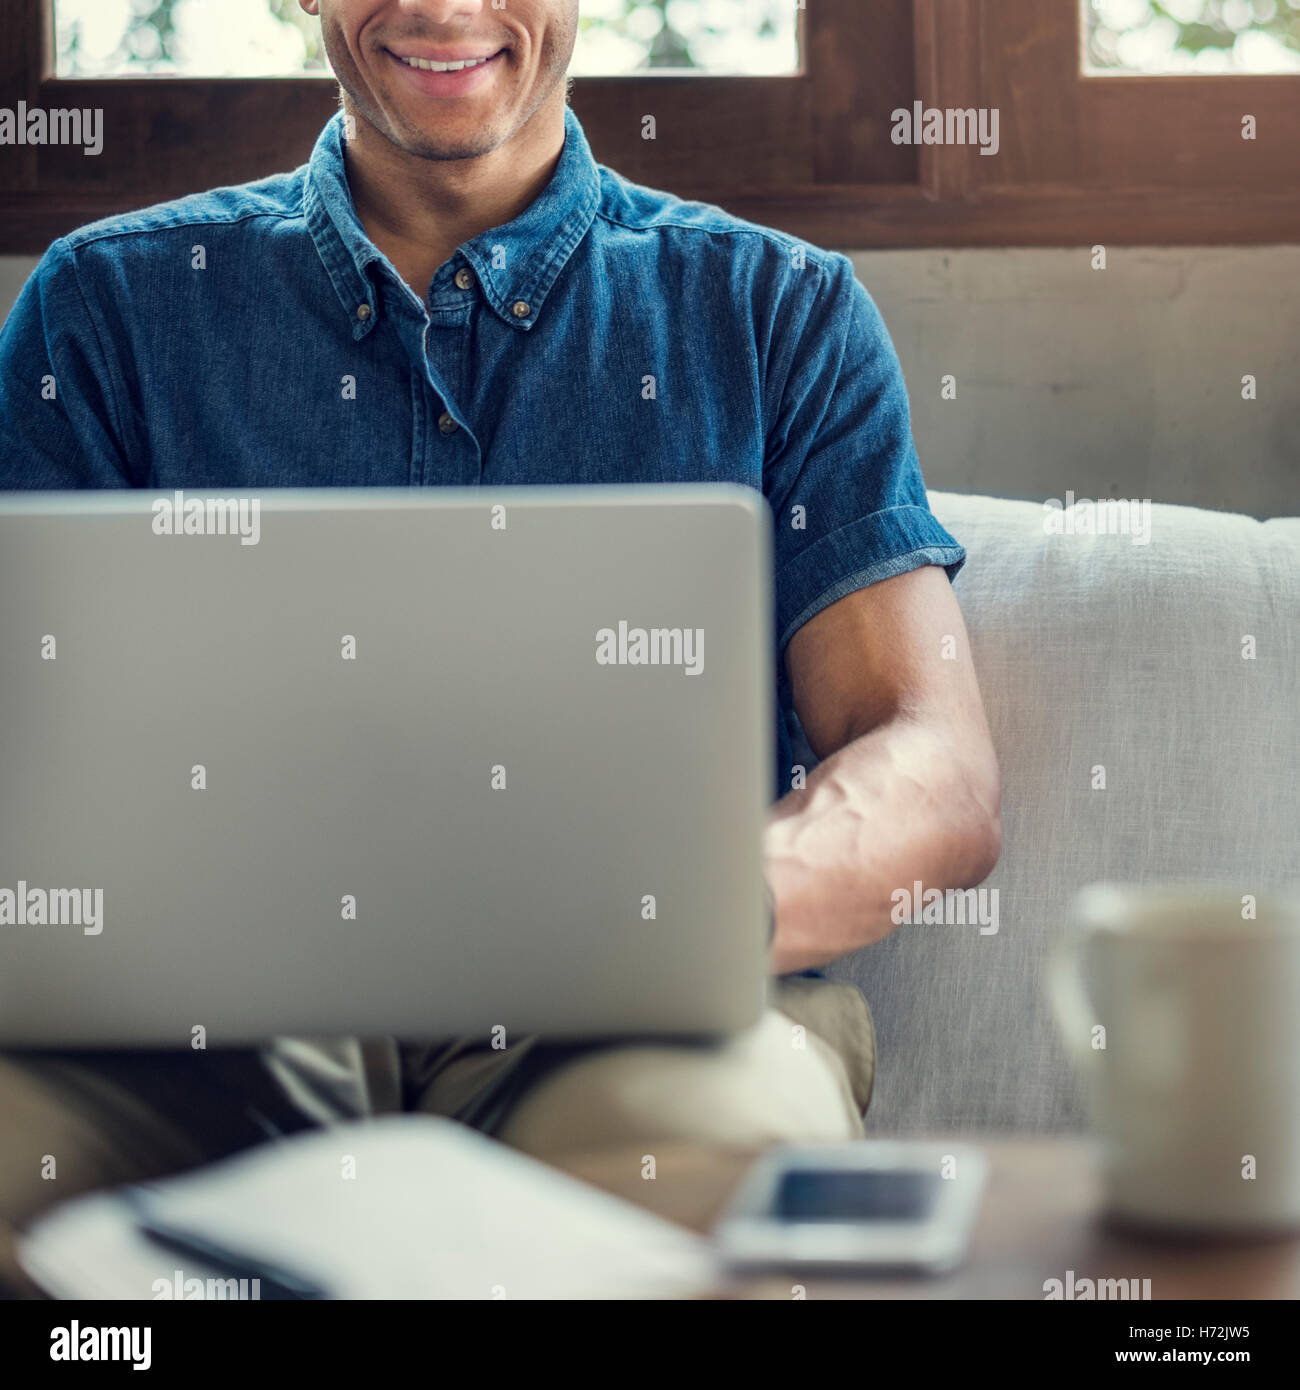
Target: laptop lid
x=368 y=762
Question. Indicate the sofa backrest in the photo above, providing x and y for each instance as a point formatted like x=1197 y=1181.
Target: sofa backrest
x=1145 y=703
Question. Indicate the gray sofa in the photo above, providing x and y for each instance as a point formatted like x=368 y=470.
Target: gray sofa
x=1094 y=653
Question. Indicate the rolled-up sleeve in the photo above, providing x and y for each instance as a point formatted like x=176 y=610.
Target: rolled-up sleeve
x=60 y=425
x=841 y=471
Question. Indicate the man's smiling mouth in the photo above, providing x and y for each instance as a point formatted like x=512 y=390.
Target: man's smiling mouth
x=432 y=65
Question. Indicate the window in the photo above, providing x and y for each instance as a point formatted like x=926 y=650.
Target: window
x=788 y=115
x=1193 y=36
x=191 y=38
x=274 y=38
x=750 y=38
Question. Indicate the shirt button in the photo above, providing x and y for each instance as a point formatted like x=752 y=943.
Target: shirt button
x=446 y=424
x=464 y=278
x=521 y=310
x=363 y=312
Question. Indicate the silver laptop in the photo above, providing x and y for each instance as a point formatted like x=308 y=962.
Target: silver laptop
x=370 y=762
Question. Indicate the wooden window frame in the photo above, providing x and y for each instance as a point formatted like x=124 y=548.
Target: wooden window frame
x=1083 y=159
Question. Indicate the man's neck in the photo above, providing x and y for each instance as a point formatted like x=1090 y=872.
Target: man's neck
x=418 y=211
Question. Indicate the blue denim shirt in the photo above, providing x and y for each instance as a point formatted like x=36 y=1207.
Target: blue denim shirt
x=254 y=337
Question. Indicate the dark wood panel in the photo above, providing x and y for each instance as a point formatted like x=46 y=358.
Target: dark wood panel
x=1062 y=127
x=1040 y=215
x=1187 y=131
x=1030 y=71
x=862 y=64
x=22 y=41
x=167 y=136
x=724 y=131
x=948 y=73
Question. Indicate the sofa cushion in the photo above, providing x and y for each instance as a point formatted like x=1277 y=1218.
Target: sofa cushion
x=1094 y=653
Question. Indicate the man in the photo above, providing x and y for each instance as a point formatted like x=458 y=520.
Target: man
x=453 y=292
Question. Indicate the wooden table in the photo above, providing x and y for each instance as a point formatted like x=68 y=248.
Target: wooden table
x=1042 y=1216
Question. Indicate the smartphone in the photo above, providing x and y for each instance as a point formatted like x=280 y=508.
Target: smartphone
x=849 y=1208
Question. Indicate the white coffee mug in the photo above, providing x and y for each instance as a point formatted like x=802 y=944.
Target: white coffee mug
x=1181 y=1006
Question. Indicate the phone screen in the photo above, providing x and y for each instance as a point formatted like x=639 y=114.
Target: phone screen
x=879 y=1196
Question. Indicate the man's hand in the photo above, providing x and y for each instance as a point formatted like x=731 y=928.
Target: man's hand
x=908 y=789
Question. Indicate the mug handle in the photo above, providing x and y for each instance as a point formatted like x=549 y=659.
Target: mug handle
x=1075 y=1016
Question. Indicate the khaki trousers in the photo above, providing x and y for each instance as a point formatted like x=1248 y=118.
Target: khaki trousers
x=70 y=1123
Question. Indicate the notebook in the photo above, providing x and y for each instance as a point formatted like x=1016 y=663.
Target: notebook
x=395 y=1208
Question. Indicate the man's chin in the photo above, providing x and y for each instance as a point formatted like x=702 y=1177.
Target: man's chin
x=443 y=144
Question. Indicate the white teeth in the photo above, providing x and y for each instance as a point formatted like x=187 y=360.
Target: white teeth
x=428 y=65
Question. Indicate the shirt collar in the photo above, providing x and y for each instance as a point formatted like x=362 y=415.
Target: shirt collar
x=516 y=264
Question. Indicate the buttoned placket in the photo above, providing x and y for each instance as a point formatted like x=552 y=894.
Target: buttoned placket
x=451 y=454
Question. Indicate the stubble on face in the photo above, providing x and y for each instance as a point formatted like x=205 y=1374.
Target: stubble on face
x=535 y=63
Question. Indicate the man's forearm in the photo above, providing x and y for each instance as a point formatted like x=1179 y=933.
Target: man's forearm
x=898 y=805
